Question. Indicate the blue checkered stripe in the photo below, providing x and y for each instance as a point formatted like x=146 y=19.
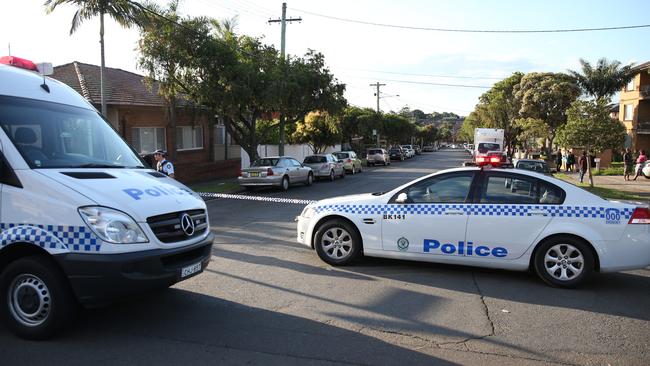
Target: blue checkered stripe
x=73 y=238
x=477 y=210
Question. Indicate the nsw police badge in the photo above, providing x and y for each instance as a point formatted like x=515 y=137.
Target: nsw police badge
x=402 y=244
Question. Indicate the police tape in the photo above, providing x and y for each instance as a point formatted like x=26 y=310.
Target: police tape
x=255 y=198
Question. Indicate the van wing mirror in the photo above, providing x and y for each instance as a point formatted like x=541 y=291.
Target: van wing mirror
x=402 y=198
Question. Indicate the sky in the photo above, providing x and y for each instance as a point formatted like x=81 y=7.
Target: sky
x=360 y=54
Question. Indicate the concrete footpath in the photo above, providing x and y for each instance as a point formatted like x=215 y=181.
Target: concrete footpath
x=640 y=187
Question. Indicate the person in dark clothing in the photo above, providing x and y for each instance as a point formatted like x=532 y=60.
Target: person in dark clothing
x=628 y=164
x=558 y=161
x=570 y=161
x=582 y=165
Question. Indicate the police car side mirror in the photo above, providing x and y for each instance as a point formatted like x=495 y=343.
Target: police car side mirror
x=401 y=198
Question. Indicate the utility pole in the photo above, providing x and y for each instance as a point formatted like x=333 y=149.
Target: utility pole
x=377 y=85
x=283 y=26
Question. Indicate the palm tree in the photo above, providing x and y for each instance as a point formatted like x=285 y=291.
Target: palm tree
x=603 y=81
x=125 y=12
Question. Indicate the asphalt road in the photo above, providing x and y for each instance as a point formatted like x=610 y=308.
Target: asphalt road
x=265 y=299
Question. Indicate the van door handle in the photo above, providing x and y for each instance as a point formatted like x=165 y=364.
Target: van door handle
x=454 y=212
x=537 y=213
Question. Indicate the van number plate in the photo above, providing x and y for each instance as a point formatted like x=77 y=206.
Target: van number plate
x=190 y=270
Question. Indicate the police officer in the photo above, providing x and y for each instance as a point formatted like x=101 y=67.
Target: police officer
x=164 y=166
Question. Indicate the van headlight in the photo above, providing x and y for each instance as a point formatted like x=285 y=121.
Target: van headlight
x=308 y=212
x=112 y=225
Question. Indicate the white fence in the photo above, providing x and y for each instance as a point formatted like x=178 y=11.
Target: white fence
x=298 y=152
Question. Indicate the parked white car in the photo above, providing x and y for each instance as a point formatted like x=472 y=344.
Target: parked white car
x=378 y=156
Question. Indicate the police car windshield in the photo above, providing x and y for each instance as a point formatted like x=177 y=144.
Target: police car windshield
x=52 y=135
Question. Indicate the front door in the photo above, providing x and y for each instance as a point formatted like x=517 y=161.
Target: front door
x=432 y=218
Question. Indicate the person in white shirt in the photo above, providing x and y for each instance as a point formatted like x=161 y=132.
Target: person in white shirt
x=164 y=166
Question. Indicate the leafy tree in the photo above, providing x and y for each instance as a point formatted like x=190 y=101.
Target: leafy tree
x=531 y=129
x=352 y=123
x=589 y=126
x=319 y=130
x=125 y=12
x=427 y=134
x=604 y=80
x=500 y=108
x=397 y=129
x=546 y=97
x=307 y=85
x=418 y=114
x=470 y=123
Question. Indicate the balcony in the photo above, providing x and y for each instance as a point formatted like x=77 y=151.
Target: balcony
x=644 y=91
x=643 y=128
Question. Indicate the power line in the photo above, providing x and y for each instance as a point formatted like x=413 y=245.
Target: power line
x=424 y=82
x=459 y=30
x=430 y=75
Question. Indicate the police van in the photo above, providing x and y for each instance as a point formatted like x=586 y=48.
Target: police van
x=83 y=220
x=484 y=216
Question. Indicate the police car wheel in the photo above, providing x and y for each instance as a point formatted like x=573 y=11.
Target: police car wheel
x=36 y=298
x=564 y=261
x=337 y=242
x=285 y=183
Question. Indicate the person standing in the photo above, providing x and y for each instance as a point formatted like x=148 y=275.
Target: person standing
x=641 y=163
x=558 y=161
x=163 y=166
x=570 y=161
x=565 y=157
x=628 y=164
x=582 y=165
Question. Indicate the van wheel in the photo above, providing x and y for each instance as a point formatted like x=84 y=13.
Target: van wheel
x=337 y=242
x=285 y=183
x=35 y=298
x=564 y=261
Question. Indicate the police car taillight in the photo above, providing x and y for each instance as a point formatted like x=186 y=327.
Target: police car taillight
x=641 y=215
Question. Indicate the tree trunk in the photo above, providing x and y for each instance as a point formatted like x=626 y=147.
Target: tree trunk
x=591 y=178
x=102 y=83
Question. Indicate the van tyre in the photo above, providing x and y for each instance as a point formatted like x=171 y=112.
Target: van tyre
x=337 y=242
x=35 y=298
x=564 y=261
x=285 y=183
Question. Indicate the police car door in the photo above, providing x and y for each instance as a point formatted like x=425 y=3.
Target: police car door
x=430 y=211
x=507 y=216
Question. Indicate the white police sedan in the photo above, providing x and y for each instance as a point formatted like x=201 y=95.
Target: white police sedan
x=499 y=218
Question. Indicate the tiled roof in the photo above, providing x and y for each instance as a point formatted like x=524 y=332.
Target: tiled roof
x=643 y=66
x=122 y=87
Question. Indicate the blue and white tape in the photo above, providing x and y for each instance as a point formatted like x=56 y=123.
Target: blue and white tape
x=255 y=198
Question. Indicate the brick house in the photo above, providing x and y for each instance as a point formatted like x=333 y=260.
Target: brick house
x=199 y=152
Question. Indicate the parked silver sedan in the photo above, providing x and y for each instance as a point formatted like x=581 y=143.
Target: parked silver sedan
x=276 y=171
x=378 y=156
x=325 y=166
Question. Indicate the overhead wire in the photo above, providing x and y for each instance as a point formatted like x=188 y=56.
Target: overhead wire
x=460 y=30
x=416 y=74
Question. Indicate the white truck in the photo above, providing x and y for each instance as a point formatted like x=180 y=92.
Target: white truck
x=82 y=219
x=488 y=146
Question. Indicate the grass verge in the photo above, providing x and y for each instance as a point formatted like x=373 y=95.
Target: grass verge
x=216 y=187
x=602 y=191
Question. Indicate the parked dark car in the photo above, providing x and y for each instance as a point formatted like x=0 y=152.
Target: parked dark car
x=397 y=154
x=539 y=166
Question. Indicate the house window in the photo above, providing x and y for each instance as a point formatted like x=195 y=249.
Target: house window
x=189 y=138
x=148 y=139
x=628 y=112
x=630 y=86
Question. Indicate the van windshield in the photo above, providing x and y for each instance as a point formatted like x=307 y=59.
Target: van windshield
x=53 y=135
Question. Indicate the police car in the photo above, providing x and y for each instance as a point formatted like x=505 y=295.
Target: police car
x=498 y=218
x=82 y=220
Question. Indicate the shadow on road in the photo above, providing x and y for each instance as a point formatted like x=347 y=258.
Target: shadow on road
x=175 y=327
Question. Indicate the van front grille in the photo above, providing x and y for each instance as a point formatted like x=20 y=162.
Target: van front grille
x=168 y=228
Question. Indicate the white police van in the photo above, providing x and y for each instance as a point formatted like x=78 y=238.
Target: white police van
x=499 y=218
x=82 y=220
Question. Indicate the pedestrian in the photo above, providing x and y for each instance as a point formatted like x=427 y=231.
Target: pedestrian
x=565 y=157
x=571 y=161
x=640 y=163
x=628 y=164
x=558 y=161
x=163 y=166
x=582 y=165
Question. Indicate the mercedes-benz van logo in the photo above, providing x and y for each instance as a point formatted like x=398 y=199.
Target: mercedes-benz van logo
x=187 y=224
